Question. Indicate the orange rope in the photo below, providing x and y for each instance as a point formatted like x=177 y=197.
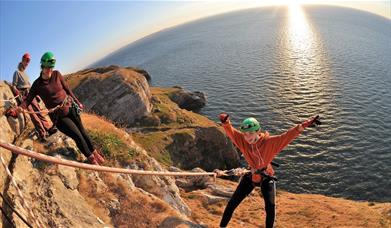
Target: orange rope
x=74 y=164
x=47 y=111
x=10 y=99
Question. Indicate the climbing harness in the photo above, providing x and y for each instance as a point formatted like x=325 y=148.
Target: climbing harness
x=264 y=175
x=76 y=107
x=47 y=111
x=243 y=171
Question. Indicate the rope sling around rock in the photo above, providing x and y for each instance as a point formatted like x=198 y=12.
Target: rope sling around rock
x=60 y=161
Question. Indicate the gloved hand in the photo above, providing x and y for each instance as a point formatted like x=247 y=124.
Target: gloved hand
x=311 y=122
x=223 y=117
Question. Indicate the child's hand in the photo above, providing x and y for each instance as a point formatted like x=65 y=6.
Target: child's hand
x=312 y=122
x=223 y=117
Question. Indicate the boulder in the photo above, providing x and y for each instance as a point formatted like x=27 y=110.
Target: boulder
x=68 y=177
x=219 y=191
x=210 y=199
x=163 y=187
x=191 y=183
x=192 y=101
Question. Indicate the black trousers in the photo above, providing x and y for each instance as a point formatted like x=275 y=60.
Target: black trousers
x=72 y=126
x=268 y=189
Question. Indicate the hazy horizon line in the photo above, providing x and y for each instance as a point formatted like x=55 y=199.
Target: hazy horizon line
x=220 y=14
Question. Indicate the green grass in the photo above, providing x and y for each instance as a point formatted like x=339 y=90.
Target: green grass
x=154 y=143
x=113 y=147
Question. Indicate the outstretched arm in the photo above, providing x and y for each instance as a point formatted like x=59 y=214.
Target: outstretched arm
x=235 y=135
x=279 y=142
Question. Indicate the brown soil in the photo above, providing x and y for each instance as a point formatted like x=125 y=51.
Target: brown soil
x=293 y=210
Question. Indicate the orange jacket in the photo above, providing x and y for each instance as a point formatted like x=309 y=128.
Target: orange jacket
x=261 y=153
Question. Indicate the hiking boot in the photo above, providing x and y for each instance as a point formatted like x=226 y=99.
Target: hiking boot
x=52 y=130
x=98 y=156
x=92 y=160
x=42 y=138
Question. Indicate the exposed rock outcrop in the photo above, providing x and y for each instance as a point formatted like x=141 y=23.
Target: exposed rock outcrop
x=141 y=71
x=192 y=182
x=119 y=94
x=207 y=148
x=164 y=188
x=192 y=101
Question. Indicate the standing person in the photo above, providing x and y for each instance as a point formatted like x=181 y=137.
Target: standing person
x=20 y=86
x=55 y=93
x=259 y=149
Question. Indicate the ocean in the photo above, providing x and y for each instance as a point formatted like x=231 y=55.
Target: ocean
x=283 y=65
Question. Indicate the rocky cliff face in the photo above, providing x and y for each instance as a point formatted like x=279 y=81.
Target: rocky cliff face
x=119 y=94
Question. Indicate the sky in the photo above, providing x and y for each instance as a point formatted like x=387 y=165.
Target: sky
x=81 y=32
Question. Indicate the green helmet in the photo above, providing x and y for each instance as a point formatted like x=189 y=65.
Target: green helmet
x=250 y=124
x=48 y=60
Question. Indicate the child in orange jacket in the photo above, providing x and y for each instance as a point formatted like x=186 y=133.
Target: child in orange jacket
x=259 y=149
